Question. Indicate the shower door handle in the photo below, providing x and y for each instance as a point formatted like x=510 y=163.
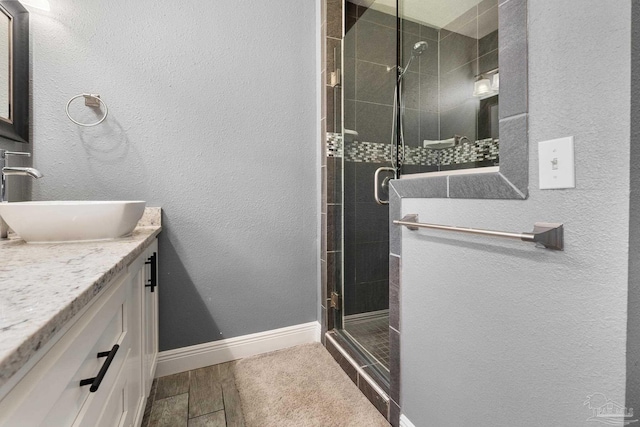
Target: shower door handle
x=376 y=194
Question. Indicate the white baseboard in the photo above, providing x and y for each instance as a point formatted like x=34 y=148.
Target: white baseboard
x=212 y=353
x=404 y=421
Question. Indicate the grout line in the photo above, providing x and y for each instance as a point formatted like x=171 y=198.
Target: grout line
x=374 y=63
x=485 y=54
x=188 y=397
x=372 y=103
x=516 y=189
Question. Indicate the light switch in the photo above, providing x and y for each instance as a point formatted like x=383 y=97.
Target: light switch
x=556 y=164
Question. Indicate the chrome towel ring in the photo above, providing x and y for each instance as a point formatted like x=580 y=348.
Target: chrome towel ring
x=90 y=100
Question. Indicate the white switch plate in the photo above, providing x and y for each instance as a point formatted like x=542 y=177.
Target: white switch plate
x=556 y=164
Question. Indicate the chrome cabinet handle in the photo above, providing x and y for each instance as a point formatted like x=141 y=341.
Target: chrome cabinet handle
x=375 y=184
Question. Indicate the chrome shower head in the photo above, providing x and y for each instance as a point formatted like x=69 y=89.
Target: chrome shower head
x=419 y=48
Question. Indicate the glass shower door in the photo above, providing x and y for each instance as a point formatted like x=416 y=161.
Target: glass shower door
x=418 y=93
x=369 y=85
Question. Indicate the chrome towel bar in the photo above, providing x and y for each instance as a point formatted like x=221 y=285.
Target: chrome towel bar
x=549 y=235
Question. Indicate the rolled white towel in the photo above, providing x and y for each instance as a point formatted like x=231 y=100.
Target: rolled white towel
x=439 y=144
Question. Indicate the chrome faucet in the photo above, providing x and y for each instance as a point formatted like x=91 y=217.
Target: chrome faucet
x=9 y=171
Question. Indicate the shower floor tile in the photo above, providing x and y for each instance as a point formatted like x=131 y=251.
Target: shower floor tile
x=372 y=333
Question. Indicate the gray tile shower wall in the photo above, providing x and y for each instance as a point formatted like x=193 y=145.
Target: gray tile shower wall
x=438 y=86
x=369 y=85
x=331 y=245
x=486 y=46
x=369 y=77
x=468 y=47
x=366 y=240
x=331 y=166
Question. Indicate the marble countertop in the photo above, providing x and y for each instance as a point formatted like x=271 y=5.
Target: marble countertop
x=43 y=286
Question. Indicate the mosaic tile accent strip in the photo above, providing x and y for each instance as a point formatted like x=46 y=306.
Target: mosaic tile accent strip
x=367 y=152
x=376 y=152
x=334 y=144
x=479 y=151
x=420 y=156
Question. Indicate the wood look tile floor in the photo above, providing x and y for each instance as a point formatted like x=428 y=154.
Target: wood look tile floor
x=205 y=397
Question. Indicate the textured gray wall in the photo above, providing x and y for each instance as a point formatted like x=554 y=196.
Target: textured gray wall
x=633 y=316
x=500 y=333
x=213 y=118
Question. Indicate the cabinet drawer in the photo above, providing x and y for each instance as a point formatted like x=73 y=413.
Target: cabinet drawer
x=74 y=396
x=108 y=409
x=50 y=394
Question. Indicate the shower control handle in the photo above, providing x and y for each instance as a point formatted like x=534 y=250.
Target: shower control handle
x=376 y=176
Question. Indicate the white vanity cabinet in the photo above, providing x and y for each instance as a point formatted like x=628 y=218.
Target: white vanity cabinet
x=112 y=345
x=150 y=319
x=144 y=278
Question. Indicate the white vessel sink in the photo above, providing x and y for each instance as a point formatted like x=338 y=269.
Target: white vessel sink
x=64 y=221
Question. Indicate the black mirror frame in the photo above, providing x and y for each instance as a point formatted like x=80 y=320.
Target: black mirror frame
x=18 y=130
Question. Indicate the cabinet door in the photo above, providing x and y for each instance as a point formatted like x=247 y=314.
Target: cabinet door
x=150 y=319
x=135 y=386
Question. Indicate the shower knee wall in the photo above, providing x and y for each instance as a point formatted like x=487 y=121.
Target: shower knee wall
x=527 y=332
